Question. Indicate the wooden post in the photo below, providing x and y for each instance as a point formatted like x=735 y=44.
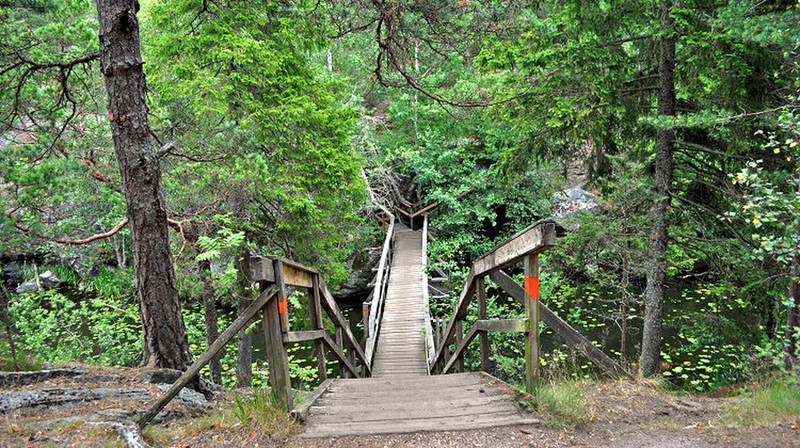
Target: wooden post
x=283 y=301
x=317 y=324
x=484 y=336
x=339 y=338
x=275 y=313
x=532 y=313
x=459 y=337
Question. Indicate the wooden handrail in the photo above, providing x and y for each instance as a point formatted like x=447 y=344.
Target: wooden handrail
x=379 y=291
x=429 y=345
x=482 y=325
x=535 y=239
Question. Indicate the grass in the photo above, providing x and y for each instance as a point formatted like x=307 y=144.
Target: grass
x=777 y=400
x=561 y=403
x=23 y=363
x=256 y=414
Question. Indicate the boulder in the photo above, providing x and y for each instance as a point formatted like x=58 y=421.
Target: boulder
x=358 y=284
x=573 y=201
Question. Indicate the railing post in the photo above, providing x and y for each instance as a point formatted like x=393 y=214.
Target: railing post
x=339 y=343
x=459 y=366
x=317 y=324
x=480 y=287
x=532 y=325
x=273 y=337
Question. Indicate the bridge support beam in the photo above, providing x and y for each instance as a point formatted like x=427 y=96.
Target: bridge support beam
x=275 y=320
x=532 y=313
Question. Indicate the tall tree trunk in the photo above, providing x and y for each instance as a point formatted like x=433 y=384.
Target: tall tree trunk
x=659 y=230
x=244 y=359
x=212 y=329
x=791 y=353
x=121 y=64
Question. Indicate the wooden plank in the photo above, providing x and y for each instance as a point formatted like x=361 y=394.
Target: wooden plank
x=339 y=355
x=296 y=277
x=295 y=274
x=473 y=331
x=262 y=270
x=301 y=410
x=533 y=240
x=459 y=356
x=283 y=300
x=378 y=296
x=560 y=327
x=532 y=313
x=502 y=325
x=302 y=336
x=277 y=357
x=205 y=358
x=480 y=288
x=329 y=304
x=458 y=313
x=429 y=344
x=315 y=309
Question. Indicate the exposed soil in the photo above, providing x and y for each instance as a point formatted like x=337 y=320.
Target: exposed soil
x=618 y=414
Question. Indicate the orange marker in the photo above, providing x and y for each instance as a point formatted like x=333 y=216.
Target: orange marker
x=532 y=287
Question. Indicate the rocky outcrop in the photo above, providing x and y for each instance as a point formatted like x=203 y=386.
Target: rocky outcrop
x=23 y=378
x=358 y=284
x=15 y=399
x=571 y=202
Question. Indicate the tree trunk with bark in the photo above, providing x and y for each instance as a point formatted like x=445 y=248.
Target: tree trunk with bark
x=121 y=64
x=659 y=230
x=212 y=328
x=791 y=353
x=244 y=359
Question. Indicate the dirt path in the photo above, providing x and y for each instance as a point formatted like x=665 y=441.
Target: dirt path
x=610 y=414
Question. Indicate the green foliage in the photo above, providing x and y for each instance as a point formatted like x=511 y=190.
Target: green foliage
x=98 y=327
x=562 y=403
x=776 y=400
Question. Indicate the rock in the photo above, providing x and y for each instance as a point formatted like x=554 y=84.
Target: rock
x=97 y=379
x=47 y=280
x=158 y=376
x=573 y=201
x=37 y=376
x=358 y=283
x=10 y=400
x=188 y=397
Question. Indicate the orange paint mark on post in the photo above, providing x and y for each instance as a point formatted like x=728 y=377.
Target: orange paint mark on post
x=283 y=308
x=532 y=287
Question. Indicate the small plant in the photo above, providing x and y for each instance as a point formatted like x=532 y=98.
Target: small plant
x=262 y=412
x=775 y=401
x=562 y=403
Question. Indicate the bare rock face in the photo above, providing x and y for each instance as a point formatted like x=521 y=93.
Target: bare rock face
x=15 y=399
x=23 y=378
x=358 y=284
x=158 y=376
x=188 y=397
x=573 y=201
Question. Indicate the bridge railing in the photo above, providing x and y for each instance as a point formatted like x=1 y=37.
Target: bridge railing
x=281 y=273
x=524 y=247
x=275 y=275
x=373 y=308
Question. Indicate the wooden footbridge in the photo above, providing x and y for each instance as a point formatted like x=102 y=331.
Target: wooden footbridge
x=398 y=379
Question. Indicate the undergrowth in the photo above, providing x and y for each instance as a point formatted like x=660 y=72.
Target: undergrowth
x=777 y=400
x=561 y=403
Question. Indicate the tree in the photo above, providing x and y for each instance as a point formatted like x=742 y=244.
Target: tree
x=649 y=360
x=121 y=65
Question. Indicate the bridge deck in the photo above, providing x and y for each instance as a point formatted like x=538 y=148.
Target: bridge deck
x=401 y=342
x=401 y=397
